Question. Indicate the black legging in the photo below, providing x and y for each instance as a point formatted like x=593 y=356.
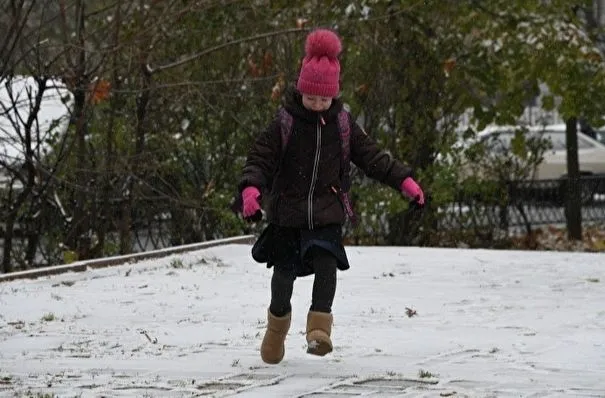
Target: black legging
x=324 y=284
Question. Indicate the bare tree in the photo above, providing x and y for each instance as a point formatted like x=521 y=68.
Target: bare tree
x=34 y=107
x=13 y=22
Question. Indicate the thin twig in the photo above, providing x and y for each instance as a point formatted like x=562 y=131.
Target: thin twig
x=151 y=340
x=210 y=50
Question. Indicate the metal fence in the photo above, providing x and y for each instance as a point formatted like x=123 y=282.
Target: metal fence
x=484 y=217
x=528 y=204
x=517 y=207
x=153 y=224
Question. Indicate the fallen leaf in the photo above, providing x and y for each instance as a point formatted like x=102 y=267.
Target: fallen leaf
x=410 y=312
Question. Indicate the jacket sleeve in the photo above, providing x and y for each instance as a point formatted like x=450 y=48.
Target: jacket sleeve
x=263 y=158
x=375 y=162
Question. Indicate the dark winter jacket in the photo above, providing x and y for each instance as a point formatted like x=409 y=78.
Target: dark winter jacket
x=301 y=191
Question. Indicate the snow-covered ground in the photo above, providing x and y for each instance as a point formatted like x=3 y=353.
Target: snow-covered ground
x=487 y=324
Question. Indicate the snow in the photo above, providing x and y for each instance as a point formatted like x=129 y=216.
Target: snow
x=488 y=324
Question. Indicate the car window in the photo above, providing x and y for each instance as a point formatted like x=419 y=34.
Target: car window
x=559 y=140
x=498 y=142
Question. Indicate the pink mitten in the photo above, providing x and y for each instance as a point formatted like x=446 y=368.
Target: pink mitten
x=250 y=197
x=411 y=189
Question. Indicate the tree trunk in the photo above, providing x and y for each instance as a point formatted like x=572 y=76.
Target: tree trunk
x=78 y=225
x=573 y=202
x=29 y=180
x=107 y=208
x=142 y=102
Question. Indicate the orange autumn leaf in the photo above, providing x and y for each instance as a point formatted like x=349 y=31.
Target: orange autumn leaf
x=301 y=22
x=100 y=91
x=593 y=56
x=362 y=89
x=448 y=65
x=253 y=68
x=278 y=88
x=267 y=61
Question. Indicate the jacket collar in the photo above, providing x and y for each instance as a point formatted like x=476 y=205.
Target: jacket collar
x=293 y=104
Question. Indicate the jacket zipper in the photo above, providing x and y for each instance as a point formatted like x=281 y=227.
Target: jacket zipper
x=338 y=193
x=314 y=177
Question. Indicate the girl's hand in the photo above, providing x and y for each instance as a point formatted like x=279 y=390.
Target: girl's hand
x=411 y=189
x=251 y=205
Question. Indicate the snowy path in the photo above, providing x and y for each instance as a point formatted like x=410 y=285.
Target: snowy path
x=488 y=324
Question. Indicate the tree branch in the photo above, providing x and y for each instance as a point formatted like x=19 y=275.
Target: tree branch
x=210 y=50
x=15 y=32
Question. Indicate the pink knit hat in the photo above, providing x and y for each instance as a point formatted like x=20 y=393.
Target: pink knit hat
x=320 y=71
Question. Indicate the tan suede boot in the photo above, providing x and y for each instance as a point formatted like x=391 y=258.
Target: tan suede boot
x=319 y=328
x=272 y=349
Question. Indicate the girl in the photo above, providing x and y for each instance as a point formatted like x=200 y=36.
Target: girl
x=304 y=190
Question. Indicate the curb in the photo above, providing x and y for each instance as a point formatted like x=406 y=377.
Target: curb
x=80 y=266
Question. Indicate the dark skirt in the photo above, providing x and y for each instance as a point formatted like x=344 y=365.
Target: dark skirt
x=287 y=247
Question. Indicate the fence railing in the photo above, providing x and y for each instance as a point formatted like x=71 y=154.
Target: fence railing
x=486 y=219
x=528 y=204
x=154 y=224
x=519 y=207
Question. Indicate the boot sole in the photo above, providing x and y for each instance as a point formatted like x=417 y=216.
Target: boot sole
x=271 y=361
x=319 y=348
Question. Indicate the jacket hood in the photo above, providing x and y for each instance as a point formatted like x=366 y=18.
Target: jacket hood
x=293 y=103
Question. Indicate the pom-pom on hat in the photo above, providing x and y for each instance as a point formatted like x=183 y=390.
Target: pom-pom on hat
x=320 y=71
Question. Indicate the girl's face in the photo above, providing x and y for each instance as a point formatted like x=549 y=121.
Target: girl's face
x=316 y=103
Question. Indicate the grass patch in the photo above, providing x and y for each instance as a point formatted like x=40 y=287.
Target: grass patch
x=32 y=394
x=425 y=374
x=49 y=317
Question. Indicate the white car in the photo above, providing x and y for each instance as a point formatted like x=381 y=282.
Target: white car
x=52 y=119
x=591 y=153
x=548 y=183
x=600 y=134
